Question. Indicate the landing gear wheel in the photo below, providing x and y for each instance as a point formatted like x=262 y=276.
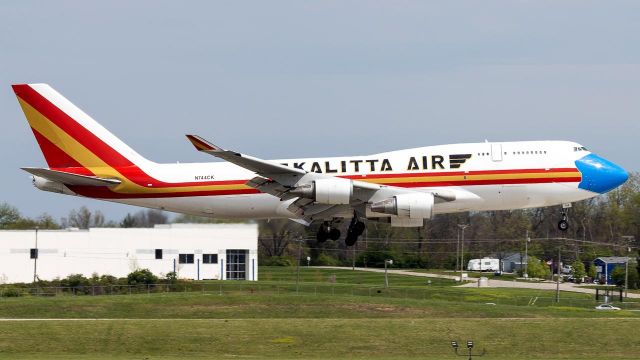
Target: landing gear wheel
x=322 y=236
x=356 y=228
x=563 y=225
x=359 y=228
x=334 y=234
x=350 y=239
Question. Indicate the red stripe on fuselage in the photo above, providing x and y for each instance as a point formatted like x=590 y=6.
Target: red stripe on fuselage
x=454 y=173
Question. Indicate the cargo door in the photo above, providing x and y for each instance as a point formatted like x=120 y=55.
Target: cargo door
x=496 y=152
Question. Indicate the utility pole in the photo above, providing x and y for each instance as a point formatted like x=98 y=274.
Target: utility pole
x=630 y=239
x=353 y=256
x=298 y=267
x=626 y=274
x=35 y=258
x=558 y=276
x=458 y=250
x=462 y=227
x=526 y=254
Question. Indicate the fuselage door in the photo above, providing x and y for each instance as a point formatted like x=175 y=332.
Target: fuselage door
x=496 y=152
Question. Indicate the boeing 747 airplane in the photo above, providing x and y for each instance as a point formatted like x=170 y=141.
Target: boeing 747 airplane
x=404 y=187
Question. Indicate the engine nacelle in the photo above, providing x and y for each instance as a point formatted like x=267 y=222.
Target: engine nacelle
x=413 y=206
x=52 y=186
x=327 y=191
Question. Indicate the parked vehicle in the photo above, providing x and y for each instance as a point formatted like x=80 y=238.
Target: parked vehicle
x=484 y=264
x=607 y=307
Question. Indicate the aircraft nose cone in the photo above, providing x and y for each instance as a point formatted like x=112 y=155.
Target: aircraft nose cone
x=600 y=175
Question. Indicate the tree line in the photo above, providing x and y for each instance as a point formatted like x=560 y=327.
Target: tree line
x=606 y=225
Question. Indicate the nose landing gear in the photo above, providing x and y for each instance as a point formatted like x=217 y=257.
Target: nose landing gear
x=563 y=224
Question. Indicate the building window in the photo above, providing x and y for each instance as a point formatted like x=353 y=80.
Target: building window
x=209 y=258
x=185 y=258
x=158 y=254
x=236 y=264
x=33 y=253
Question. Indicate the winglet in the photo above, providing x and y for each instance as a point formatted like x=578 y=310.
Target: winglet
x=202 y=144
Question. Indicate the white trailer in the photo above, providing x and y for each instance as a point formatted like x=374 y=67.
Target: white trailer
x=484 y=264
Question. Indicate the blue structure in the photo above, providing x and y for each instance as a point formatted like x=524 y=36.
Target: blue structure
x=605 y=265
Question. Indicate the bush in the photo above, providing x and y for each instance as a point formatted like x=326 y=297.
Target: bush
x=11 y=292
x=327 y=260
x=74 y=280
x=538 y=269
x=171 y=277
x=278 y=261
x=142 y=276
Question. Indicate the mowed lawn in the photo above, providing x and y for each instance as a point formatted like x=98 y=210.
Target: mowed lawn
x=285 y=325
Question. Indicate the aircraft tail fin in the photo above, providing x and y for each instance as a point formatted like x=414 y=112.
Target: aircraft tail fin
x=68 y=137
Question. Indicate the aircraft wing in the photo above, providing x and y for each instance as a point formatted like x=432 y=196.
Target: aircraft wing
x=71 y=179
x=269 y=171
x=285 y=182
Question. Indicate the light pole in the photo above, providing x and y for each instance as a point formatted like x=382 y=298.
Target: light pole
x=35 y=258
x=455 y=346
x=298 y=267
x=458 y=250
x=558 y=275
x=386 y=276
x=629 y=239
x=462 y=227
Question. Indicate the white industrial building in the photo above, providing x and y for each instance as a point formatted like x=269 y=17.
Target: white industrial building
x=193 y=251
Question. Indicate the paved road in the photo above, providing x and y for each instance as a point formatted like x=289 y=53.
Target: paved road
x=491 y=283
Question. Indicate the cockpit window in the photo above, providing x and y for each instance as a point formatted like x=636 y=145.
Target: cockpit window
x=579 y=148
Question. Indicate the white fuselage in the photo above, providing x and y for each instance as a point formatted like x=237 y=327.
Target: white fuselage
x=497 y=176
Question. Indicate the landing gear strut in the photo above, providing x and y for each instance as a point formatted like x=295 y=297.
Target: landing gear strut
x=326 y=232
x=356 y=228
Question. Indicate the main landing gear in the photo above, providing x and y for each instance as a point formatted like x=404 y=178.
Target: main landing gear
x=327 y=231
x=355 y=229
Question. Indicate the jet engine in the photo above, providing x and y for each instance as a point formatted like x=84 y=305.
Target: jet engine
x=52 y=186
x=334 y=191
x=413 y=206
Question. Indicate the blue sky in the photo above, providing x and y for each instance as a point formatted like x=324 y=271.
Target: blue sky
x=286 y=79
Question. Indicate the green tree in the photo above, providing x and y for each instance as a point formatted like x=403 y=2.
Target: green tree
x=578 y=271
x=141 y=276
x=538 y=268
x=9 y=215
x=128 y=222
x=618 y=276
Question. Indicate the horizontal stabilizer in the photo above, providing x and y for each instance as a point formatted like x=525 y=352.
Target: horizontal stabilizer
x=71 y=179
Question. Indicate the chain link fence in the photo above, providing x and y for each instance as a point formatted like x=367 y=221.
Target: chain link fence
x=249 y=288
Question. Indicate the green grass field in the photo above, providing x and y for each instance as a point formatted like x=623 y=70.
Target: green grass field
x=243 y=322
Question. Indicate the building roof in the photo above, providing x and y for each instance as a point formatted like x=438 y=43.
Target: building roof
x=612 y=259
x=516 y=256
